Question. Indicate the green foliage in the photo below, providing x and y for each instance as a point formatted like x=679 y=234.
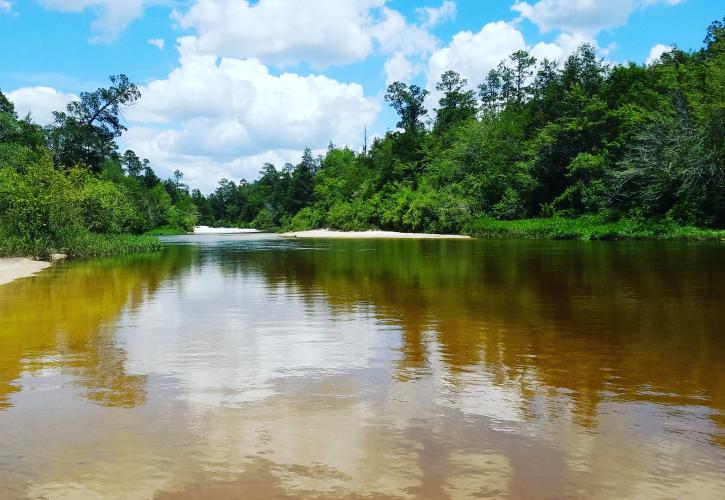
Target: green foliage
x=623 y=151
x=166 y=231
x=41 y=203
x=66 y=190
x=77 y=243
x=350 y=216
x=408 y=102
x=84 y=134
x=264 y=220
x=104 y=207
x=457 y=104
x=305 y=219
x=589 y=228
x=581 y=140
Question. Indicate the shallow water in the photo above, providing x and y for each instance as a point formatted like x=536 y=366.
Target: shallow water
x=248 y=366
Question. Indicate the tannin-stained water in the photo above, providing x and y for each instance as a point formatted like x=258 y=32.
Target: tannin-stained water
x=252 y=366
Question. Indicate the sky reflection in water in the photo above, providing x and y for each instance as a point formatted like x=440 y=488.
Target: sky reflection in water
x=255 y=366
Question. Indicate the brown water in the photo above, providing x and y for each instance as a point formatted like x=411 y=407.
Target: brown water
x=254 y=367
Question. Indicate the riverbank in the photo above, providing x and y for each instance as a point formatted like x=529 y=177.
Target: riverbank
x=77 y=244
x=589 y=228
x=15 y=268
x=555 y=228
x=327 y=233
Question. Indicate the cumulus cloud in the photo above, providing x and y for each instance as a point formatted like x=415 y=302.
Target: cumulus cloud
x=319 y=32
x=203 y=172
x=583 y=17
x=212 y=111
x=113 y=15
x=474 y=54
x=656 y=52
x=398 y=68
x=283 y=32
x=394 y=34
x=561 y=48
x=40 y=102
x=5 y=6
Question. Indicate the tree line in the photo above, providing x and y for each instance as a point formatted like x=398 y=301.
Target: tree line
x=63 y=183
x=533 y=139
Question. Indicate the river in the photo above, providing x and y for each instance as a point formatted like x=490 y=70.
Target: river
x=251 y=366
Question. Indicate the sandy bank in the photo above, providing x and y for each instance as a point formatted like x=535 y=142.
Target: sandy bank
x=12 y=269
x=222 y=230
x=326 y=233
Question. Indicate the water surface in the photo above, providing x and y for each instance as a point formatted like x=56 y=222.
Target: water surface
x=255 y=367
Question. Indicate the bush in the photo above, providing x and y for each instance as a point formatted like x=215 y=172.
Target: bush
x=41 y=203
x=588 y=228
x=306 y=219
x=104 y=207
x=350 y=216
x=76 y=243
x=264 y=220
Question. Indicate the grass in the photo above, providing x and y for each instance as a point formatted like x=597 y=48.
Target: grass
x=589 y=228
x=166 y=231
x=78 y=243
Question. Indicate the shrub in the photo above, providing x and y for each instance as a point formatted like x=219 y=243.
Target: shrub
x=41 y=203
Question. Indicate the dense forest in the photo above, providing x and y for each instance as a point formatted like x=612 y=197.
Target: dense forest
x=582 y=144
x=538 y=139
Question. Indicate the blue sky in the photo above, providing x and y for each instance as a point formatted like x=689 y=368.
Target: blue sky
x=229 y=84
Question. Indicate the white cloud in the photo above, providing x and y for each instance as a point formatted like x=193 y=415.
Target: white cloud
x=202 y=172
x=398 y=69
x=433 y=16
x=40 y=102
x=559 y=50
x=576 y=16
x=5 y=6
x=394 y=34
x=283 y=32
x=157 y=42
x=583 y=17
x=320 y=32
x=113 y=15
x=474 y=54
x=656 y=52
x=220 y=113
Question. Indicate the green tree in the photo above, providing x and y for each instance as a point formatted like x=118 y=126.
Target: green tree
x=522 y=73
x=408 y=102
x=84 y=134
x=457 y=104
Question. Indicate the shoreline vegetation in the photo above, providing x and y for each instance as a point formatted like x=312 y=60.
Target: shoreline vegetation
x=370 y=234
x=77 y=244
x=571 y=149
x=589 y=228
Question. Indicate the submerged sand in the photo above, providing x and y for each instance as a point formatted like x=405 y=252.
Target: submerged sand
x=326 y=233
x=222 y=230
x=12 y=269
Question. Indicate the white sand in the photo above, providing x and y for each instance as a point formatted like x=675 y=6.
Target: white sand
x=326 y=233
x=222 y=230
x=12 y=269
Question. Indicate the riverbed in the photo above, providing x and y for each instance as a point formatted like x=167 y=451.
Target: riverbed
x=256 y=366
